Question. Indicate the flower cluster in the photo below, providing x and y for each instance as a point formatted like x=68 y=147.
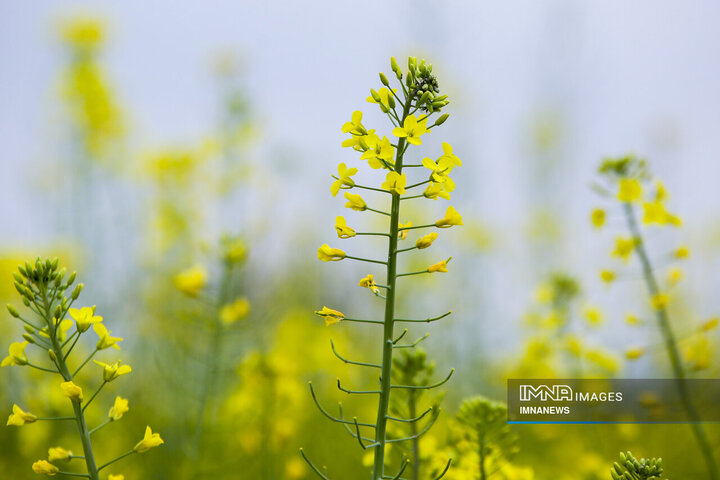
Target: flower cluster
x=47 y=294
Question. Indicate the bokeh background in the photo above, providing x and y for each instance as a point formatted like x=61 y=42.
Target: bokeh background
x=138 y=138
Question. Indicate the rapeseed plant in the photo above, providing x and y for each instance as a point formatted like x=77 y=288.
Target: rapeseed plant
x=631 y=469
x=628 y=181
x=410 y=114
x=46 y=293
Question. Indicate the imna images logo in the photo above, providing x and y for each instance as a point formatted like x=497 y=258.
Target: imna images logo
x=544 y=393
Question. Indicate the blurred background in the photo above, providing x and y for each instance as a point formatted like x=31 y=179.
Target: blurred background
x=159 y=147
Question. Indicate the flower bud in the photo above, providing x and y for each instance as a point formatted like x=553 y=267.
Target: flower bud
x=384 y=80
x=18 y=278
x=29 y=329
x=376 y=96
x=391 y=100
x=12 y=311
x=441 y=119
x=395 y=68
x=71 y=278
x=51 y=354
x=76 y=292
x=58 y=312
x=29 y=338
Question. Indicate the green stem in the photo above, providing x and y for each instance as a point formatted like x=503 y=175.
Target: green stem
x=385 y=380
x=663 y=320
x=412 y=405
x=481 y=455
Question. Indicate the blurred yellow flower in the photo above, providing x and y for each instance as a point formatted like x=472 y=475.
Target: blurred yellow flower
x=395 y=183
x=111 y=372
x=426 y=241
x=343 y=179
x=331 y=316
x=655 y=213
x=632 y=319
x=697 y=353
x=593 y=315
x=711 y=324
x=150 y=440
x=659 y=301
x=104 y=338
x=119 y=408
x=294 y=469
x=16 y=355
x=72 y=391
x=682 y=252
x=597 y=217
x=674 y=276
x=191 y=281
x=18 y=417
x=342 y=229
x=355 y=202
x=84 y=318
x=439 y=267
x=328 y=254
x=56 y=454
x=116 y=477
x=607 y=276
x=83 y=32
x=452 y=217
x=237 y=310
x=369 y=282
x=634 y=353
x=412 y=130
x=602 y=359
x=43 y=467
x=629 y=190
x=402 y=234
x=624 y=247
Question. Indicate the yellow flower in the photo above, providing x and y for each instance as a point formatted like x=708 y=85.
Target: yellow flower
x=16 y=355
x=439 y=267
x=435 y=191
x=343 y=231
x=682 y=252
x=59 y=454
x=369 y=282
x=111 y=372
x=629 y=190
x=191 y=281
x=295 y=469
x=43 y=467
x=631 y=319
x=378 y=152
x=84 y=318
x=607 y=276
x=449 y=155
x=659 y=301
x=412 y=130
x=344 y=179
x=331 y=316
x=674 y=276
x=150 y=440
x=395 y=183
x=116 y=477
x=574 y=345
x=440 y=172
x=624 y=247
x=119 y=408
x=72 y=391
x=602 y=360
x=593 y=315
x=655 y=213
x=19 y=418
x=383 y=93
x=452 y=217
x=355 y=125
x=355 y=202
x=697 y=353
x=710 y=324
x=634 y=353
x=237 y=310
x=83 y=32
x=235 y=250
x=597 y=217
x=63 y=328
x=402 y=234
x=105 y=340
x=328 y=254
x=426 y=241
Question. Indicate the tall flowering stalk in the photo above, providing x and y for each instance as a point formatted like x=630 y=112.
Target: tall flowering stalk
x=44 y=290
x=409 y=114
x=630 y=183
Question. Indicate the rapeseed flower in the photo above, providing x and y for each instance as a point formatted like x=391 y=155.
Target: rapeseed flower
x=597 y=217
x=329 y=254
x=59 y=454
x=237 y=310
x=355 y=202
x=343 y=231
x=105 y=340
x=72 y=391
x=451 y=218
x=119 y=408
x=113 y=371
x=629 y=190
x=369 y=282
x=343 y=180
x=331 y=316
x=150 y=440
x=16 y=355
x=191 y=281
x=84 y=318
x=426 y=241
x=395 y=183
x=439 y=267
x=18 y=417
x=412 y=130
x=43 y=467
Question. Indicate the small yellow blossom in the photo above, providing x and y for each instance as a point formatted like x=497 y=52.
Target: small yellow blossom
x=634 y=353
x=331 y=316
x=632 y=319
x=43 y=467
x=237 y=310
x=435 y=191
x=83 y=32
x=355 y=125
x=59 y=454
x=295 y=469
x=116 y=477
x=597 y=217
x=452 y=217
x=119 y=408
x=379 y=152
x=449 y=155
x=63 y=329
x=72 y=391
x=328 y=254
x=84 y=318
x=384 y=93
x=18 y=417
x=711 y=324
x=343 y=180
x=369 y=282
x=111 y=372
x=343 y=231
x=395 y=183
x=659 y=301
x=629 y=190
x=682 y=252
x=697 y=353
x=602 y=359
x=439 y=267
x=440 y=172
x=235 y=250
x=402 y=234
x=16 y=355
x=593 y=315
x=104 y=338
x=607 y=276
x=674 y=276
x=426 y=241
x=412 y=130
x=150 y=440
x=355 y=202
x=191 y=281
x=655 y=213
x=624 y=247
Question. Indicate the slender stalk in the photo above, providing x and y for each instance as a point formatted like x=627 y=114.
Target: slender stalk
x=671 y=347
x=412 y=407
x=481 y=455
x=385 y=381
